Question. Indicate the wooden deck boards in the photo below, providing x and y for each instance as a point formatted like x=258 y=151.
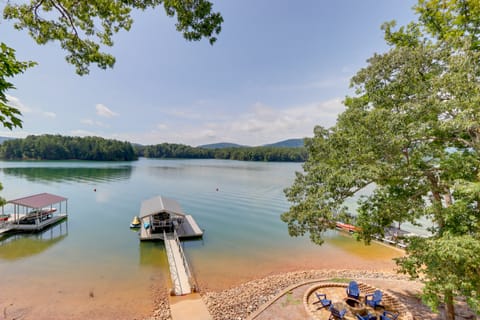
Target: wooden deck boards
x=178 y=271
x=187 y=229
x=194 y=229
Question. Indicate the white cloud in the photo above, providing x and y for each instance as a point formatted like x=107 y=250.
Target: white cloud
x=16 y=103
x=104 y=111
x=14 y=134
x=296 y=121
x=26 y=110
x=162 y=126
x=83 y=133
x=261 y=124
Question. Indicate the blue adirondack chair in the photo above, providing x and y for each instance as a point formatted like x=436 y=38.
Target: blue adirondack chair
x=322 y=299
x=336 y=314
x=367 y=317
x=374 y=299
x=387 y=315
x=353 y=291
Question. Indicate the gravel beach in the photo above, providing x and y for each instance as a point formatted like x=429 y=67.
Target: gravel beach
x=239 y=302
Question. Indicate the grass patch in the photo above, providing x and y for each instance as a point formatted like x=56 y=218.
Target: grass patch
x=289 y=300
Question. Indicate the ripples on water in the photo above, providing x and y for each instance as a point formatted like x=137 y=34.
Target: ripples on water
x=238 y=204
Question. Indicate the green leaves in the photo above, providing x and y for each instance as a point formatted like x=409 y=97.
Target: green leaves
x=448 y=265
x=412 y=131
x=195 y=19
x=9 y=67
x=452 y=20
x=81 y=27
x=84 y=28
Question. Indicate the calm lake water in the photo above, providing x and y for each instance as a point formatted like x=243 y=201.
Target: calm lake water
x=93 y=265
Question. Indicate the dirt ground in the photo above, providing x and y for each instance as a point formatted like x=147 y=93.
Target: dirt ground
x=290 y=305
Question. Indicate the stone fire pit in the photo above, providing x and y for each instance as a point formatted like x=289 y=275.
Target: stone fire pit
x=337 y=293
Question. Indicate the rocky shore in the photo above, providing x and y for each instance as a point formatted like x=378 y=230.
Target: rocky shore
x=239 y=302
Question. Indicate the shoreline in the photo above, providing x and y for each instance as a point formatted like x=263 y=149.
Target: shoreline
x=241 y=301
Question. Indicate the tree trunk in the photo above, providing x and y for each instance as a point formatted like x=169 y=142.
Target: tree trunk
x=448 y=200
x=449 y=307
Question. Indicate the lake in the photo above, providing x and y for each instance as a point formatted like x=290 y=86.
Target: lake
x=93 y=265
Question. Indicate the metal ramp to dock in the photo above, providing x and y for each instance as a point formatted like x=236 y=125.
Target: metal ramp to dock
x=179 y=269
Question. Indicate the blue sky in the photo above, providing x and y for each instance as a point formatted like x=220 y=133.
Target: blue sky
x=278 y=69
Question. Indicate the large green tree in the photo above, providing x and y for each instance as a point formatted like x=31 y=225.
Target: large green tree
x=412 y=132
x=85 y=28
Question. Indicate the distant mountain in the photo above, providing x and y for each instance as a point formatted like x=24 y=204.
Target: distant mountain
x=290 y=143
x=221 y=145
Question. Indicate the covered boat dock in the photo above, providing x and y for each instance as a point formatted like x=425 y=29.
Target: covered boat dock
x=163 y=219
x=160 y=214
x=34 y=213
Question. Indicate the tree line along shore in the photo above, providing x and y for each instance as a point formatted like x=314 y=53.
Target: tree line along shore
x=57 y=147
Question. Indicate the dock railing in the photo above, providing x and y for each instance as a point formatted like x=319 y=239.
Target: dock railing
x=191 y=279
x=172 y=243
x=177 y=284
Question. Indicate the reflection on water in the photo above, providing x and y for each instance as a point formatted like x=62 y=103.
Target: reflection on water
x=66 y=174
x=238 y=204
x=153 y=254
x=346 y=242
x=19 y=246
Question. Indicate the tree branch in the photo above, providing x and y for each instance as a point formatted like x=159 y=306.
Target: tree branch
x=64 y=12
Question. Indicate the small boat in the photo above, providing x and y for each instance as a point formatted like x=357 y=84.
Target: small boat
x=347 y=227
x=135 y=223
x=4 y=217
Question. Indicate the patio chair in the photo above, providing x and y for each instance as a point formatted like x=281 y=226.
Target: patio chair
x=336 y=314
x=387 y=315
x=353 y=291
x=366 y=317
x=322 y=299
x=374 y=299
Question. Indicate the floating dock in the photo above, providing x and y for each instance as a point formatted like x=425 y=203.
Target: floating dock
x=163 y=219
x=34 y=213
x=161 y=214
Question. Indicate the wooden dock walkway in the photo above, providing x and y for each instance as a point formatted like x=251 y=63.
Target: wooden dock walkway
x=179 y=270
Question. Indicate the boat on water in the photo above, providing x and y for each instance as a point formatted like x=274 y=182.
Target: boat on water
x=4 y=217
x=135 y=223
x=40 y=214
x=347 y=227
x=34 y=213
x=392 y=235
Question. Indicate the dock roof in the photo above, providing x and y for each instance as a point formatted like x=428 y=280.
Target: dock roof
x=38 y=200
x=160 y=204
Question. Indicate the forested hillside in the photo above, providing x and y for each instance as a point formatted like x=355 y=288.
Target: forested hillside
x=167 y=150
x=57 y=147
